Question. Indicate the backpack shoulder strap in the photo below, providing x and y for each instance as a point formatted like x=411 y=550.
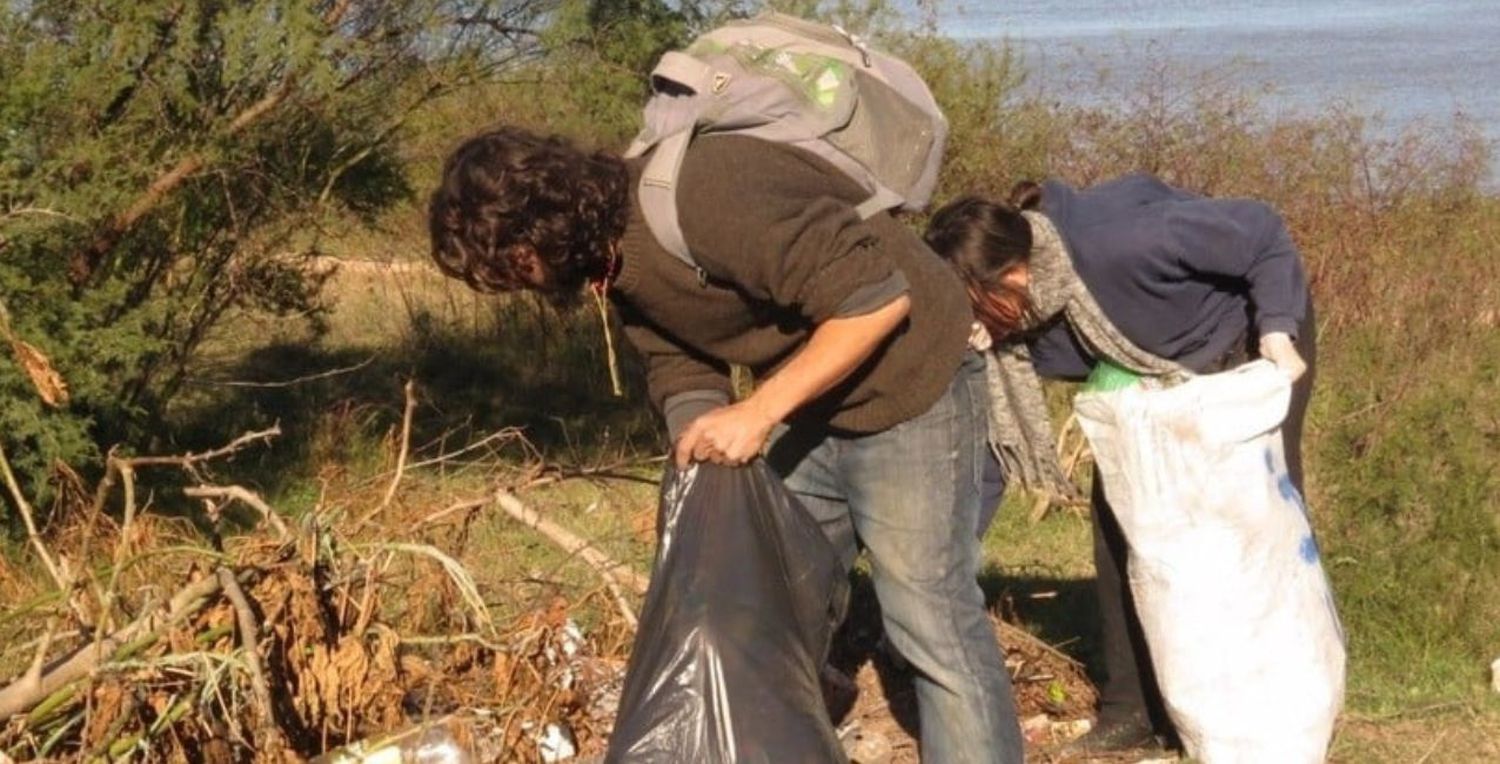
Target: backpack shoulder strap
x=883 y=199
x=658 y=194
x=682 y=83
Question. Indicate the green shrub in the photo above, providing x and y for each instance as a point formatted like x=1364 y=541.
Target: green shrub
x=165 y=164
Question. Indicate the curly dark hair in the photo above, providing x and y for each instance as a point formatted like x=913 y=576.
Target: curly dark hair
x=508 y=189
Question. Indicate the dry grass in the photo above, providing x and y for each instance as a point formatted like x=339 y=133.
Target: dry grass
x=366 y=617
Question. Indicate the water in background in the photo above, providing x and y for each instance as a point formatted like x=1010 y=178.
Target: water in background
x=1406 y=60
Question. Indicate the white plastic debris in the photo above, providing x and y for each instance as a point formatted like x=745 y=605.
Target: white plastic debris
x=556 y=744
x=1495 y=675
x=572 y=638
x=434 y=744
x=1071 y=730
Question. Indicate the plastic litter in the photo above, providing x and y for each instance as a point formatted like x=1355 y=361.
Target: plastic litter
x=431 y=744
x=556 y=744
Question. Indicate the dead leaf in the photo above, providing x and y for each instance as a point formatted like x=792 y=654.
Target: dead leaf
x=49 y=384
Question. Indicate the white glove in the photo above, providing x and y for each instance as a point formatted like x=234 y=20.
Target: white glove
x=979 y=337
x=1277 y=348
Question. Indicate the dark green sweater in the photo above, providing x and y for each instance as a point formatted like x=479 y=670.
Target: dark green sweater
x=775 y=230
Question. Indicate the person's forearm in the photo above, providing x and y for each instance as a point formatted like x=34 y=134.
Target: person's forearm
x=836 y=348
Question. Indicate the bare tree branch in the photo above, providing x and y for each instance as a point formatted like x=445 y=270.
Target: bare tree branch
x=244 y=496
x=616 y=575
x=269 y=734
x=191 y=459
x=20 y=696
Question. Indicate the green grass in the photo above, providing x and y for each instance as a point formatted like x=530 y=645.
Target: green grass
x=1040 y=575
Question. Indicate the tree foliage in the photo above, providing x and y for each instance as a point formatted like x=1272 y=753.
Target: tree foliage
x=166 y=164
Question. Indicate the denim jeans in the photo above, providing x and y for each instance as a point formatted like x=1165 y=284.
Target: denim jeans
x=910 y=496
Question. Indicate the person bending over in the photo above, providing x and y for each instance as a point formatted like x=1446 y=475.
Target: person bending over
x=871 y=401
x=1146 y=276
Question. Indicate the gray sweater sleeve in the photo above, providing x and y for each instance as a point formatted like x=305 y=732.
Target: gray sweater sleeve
x=681 y=409
x=872 y=297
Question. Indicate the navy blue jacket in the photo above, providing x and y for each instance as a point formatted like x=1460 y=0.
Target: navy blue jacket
x=1183 y=276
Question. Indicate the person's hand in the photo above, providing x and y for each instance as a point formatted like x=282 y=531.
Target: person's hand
x=1277 y=348
x=979 y=337
x=731 y=435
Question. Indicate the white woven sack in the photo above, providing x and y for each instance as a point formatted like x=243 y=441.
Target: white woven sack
x=1225 y=572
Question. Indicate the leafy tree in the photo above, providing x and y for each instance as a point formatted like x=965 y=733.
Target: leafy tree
x=168 y=164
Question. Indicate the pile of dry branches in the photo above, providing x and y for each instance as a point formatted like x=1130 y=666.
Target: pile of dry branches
x=282 y=641
x=171 y=637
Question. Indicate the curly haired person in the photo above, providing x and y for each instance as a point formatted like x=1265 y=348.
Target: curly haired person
x=869 y=402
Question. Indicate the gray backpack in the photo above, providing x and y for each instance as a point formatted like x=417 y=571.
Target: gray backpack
x=780 y=78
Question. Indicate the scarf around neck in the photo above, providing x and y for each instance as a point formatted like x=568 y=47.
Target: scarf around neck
x=1019 y=425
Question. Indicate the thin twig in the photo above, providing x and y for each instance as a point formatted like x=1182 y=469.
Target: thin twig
x=1009 y=632
x=505 y=434
x=269 y=733
x=611 y=471
x=32 y=535
x=451 y=509
x=190 y=459
x=244 y=496
x=411 y=403
x=286 y=382
x=610 y=570
x=1433 y=749
x=1406 y=713
x=400 y=471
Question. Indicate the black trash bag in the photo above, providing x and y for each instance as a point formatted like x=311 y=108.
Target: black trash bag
x=744 y=599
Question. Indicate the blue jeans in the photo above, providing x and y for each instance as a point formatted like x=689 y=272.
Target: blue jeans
x=991 y=490
x=910 y=496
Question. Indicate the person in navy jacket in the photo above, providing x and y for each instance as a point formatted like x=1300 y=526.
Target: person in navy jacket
x=1201 y=282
